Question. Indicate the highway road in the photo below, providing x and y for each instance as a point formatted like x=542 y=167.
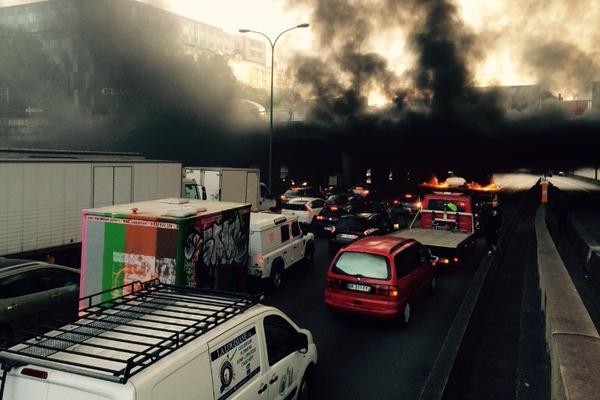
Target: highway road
x=365 y=359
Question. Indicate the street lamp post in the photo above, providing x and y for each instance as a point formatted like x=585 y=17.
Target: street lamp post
x=272 y=43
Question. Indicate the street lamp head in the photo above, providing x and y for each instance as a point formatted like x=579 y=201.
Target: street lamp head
x=244 y=30
x=304 y=25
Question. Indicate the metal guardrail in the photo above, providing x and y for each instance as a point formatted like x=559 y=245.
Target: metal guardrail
x=151 y=321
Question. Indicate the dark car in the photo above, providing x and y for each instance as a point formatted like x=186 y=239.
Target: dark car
x=337 y=206
x=332 y=190
x=403 y=208
x=32 y=292
x=353 y=227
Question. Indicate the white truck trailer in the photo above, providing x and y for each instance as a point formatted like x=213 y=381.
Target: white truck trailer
x=42 y=193
x=237 y=185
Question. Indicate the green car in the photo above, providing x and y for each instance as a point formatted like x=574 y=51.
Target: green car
x=33 y=293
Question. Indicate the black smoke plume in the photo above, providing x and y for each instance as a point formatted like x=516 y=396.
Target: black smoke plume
x=438 y=118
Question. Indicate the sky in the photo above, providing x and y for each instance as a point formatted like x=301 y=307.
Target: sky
x=508 y=30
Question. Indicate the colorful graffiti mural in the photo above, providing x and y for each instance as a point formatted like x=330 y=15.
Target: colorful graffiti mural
x=189 y=251
x=215 y=242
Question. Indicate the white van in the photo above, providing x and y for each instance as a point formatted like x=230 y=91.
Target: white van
x=164 y=342
x=276 y=243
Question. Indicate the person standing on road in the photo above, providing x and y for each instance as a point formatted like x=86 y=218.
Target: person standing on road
x=561 y=212
x=491 y=222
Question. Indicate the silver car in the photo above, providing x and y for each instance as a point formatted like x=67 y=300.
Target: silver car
x=34 y=292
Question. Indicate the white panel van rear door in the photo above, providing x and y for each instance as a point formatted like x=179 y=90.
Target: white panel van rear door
x=212 y=184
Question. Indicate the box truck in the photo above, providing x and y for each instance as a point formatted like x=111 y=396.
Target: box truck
x=42 y=193
x=186 y=242
x=228 y=184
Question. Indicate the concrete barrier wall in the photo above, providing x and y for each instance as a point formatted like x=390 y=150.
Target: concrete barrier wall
x=571 y=337
x=589 y=173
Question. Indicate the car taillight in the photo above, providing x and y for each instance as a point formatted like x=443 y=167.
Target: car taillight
x=408 y=196
x=333 y=283
x=320 y=217
x=455 y=259
x=385 y=290
x=36 y=373
x=396 y=202
x=260 y=260
x=418 y=204
x=369 y=231
x=333 y=208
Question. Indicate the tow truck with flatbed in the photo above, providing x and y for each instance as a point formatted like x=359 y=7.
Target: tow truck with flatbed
x=445 y=223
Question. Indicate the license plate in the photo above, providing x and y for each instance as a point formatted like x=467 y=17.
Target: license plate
x=347 y=236
x=328 y=228
x=359 y=288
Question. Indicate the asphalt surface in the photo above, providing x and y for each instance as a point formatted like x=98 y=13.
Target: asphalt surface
x=510 y=360
x=366 y=359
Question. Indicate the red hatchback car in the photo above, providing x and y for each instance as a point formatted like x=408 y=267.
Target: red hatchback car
x=380 y=277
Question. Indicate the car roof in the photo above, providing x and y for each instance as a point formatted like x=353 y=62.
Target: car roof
x=8 y=266
x=363 y=216
x=304 y=199
x=383 y=245
x=12 y=262
x=260 y=221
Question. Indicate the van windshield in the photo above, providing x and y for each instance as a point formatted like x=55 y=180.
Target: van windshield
x=364 y=265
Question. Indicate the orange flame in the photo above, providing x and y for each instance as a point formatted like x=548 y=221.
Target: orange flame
x=491 y=187
x=435 y=183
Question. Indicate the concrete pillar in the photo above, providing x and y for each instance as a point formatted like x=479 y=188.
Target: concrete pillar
x=346 y=168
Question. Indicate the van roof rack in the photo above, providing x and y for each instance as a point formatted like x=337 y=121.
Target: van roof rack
x=113 y=339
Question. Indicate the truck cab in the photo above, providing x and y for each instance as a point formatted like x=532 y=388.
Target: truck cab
x=276 y=243
x=447 y=211
x=240 y=185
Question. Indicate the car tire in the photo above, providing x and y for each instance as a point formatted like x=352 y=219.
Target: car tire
x=433 y=285
x=5 y=336
x=305 y=388
x=277 y=276
x=309 y=255
x=406 y=315
x=313 y=224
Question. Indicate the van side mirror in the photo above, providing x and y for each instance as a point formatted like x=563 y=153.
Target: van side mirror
x=301 y=343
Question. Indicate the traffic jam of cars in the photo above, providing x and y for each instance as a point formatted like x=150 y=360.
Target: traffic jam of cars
x=112 y=324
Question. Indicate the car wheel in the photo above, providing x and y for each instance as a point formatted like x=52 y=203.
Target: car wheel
x=309 y=256
x=433 y=285
x=5 y=336
x=406 y=314
x=277 y=276
x=305 y=390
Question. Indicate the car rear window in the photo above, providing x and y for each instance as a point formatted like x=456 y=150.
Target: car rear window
x=364 y=265
x=337 y=199
x=294 y=206
x=446 y=205
x=353 y=224
x=292 y=193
